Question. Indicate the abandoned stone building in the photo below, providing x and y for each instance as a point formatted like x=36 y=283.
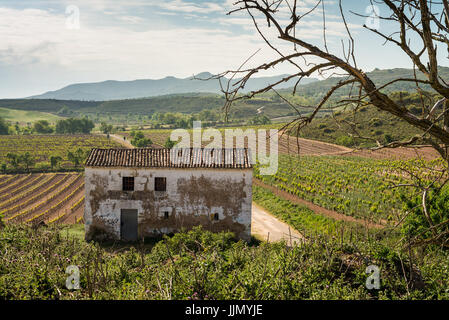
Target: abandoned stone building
x=135 y=193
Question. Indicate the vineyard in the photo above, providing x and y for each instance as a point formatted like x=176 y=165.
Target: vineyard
x=42 y=147
x=290 y=145
x=357 y=187
x=42 y=197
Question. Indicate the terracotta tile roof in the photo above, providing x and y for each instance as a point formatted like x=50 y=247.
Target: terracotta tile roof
x=237 y=158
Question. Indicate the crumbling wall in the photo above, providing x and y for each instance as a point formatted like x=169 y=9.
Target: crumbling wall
x=192 y=198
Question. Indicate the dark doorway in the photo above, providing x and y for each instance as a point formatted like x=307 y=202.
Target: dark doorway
x=128 y=225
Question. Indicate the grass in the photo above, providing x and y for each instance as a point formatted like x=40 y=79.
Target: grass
x=24 y=117
x=75 y=231
x=198 y=265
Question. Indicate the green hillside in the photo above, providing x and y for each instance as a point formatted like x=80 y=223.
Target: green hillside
x=22 y=116
x=370 y=122
x=268 y=104
x=272 y=106
x=316 y=90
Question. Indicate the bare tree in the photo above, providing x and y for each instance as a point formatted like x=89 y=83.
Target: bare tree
x=426 y=22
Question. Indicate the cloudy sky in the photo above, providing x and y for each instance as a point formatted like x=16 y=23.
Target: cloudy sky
x=48 y=44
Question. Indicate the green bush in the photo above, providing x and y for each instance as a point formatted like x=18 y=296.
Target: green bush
x=375 y=122
x=388 y=138
x=417 y=225
x=346 y=141
x=4 y=128
x=139 y=140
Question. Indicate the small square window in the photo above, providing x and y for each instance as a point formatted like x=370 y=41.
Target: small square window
x=128 y=183
x=160 y=184
x=216 y=217
x=166 y=215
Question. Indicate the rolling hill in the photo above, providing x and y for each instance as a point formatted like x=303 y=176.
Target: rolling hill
x=116 y=90
x=380 y=77
x=268 y=103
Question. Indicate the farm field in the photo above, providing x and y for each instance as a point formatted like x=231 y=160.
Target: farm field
x=159 y=136
x=42 y=147
x=25 y=116
x=289 y=145
x=42 y=197
x=353 y=186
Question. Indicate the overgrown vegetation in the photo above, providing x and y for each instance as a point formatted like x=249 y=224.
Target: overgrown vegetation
x=203 y=265
x=74 y=126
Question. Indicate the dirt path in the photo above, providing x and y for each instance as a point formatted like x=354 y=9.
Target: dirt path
x=317 y=209
x=120 y=140
x=267 y=227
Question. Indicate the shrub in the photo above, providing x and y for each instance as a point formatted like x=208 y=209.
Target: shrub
x=42 y=126
x=73 y=126
x=43 y=166
x=375 y=122
x=4 y=128
x=139 y=140
x=169 y=143
x=346 y=141
x=416 y=223
x=388 y=138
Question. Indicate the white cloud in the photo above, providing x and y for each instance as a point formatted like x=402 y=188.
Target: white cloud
x=37 y=36
x=118 y=43
x=131 y=19
x=190 y=7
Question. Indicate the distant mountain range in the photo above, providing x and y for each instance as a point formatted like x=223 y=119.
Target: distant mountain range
x=115 y=90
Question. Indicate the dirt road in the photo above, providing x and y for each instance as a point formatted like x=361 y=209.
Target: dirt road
x=264 y=226
x=122 y=141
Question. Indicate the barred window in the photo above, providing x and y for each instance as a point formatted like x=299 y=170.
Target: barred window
x=160 y=184
x=128 y=183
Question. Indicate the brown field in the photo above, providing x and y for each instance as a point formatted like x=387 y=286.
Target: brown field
x=42 y=197
x=288 y=144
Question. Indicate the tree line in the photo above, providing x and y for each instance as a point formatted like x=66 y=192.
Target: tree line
x=63 y=126
x=25 y=162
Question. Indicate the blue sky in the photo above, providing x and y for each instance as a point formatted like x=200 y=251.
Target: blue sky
x=43 y=49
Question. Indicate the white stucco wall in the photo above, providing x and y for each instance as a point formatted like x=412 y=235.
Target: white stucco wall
x=192 y=195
